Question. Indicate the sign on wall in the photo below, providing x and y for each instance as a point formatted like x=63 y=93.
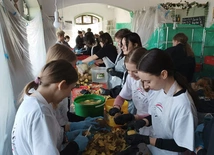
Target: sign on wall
x=200 y=20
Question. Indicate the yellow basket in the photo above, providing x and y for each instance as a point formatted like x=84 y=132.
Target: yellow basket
x=110 y=119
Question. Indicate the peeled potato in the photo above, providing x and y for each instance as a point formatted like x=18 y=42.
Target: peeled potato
x=84 y=133
x=131 y=132
x=101 y=122
x=117 y=114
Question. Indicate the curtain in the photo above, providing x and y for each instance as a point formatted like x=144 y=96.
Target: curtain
x=35 y=38
x=49 y=31
x=23 y=47
x=15 y=69
x=146 y=21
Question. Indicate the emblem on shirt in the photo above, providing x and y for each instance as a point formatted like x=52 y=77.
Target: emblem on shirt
x=158 y=109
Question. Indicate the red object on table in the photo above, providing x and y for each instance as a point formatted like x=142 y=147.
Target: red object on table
x=94 y=86
x=209 y=60
x=82 y=57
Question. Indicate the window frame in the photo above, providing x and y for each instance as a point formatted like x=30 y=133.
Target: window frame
x=86 y=23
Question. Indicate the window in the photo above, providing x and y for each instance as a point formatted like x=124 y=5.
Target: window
x=86 y=19
x=79 y=20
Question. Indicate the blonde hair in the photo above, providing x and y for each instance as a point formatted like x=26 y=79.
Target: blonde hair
x=60 y=33
x=59 y=51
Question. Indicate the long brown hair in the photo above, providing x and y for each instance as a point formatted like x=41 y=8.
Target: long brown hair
x=206 y=84
x=155 y=61
x=121 y=33
x=106 y=39
x=182 y=38
x=59 y=51
x=53 y=72
x=135 y=55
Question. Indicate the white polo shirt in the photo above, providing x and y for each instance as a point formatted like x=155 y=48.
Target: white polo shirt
x=133 y=90
x=175 y=119
x=36 y=130
x=61 y=112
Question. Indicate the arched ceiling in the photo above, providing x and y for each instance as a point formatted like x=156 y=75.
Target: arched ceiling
x=48 y=6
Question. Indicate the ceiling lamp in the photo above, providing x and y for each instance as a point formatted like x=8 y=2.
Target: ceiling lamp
x=56 y=23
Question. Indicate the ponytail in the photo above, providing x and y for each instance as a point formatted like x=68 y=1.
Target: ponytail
x=53 y=72
x=182 y=81
x=27 y=88
x=188 y=50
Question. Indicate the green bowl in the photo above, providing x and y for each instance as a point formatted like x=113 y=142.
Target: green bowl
x=85 y=110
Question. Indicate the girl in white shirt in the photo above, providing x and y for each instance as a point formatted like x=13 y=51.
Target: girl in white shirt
x=36 y=130
x=62 y=113
x=132 y=90
x=173 y=114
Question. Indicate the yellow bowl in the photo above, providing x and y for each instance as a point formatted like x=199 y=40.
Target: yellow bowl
x=109 y=104
x=110 y=119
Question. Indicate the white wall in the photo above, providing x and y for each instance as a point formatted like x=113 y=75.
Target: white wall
x=210 y=19
x=69 y=14
x=122 y=16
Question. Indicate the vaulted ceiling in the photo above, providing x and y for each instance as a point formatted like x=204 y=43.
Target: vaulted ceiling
x=48 y=6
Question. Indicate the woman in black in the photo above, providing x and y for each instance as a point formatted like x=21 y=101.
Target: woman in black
x=108 y=52
x=182 y=56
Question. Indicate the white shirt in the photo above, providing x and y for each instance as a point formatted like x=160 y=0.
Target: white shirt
x=61 y=112
x=133 y=89
x=36 y=130
x=173 y=120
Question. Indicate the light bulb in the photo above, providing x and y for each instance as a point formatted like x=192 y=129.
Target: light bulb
x=56 y=23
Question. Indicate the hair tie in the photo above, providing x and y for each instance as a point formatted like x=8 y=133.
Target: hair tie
x=37 y=80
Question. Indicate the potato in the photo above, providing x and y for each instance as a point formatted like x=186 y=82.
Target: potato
x=85 y=75
x=87 y=101
x=81 y=79
x=82 y=83
x=84 y=133
x=89 y=78
x=117 y=114
x=131 y=132
x=101 y=122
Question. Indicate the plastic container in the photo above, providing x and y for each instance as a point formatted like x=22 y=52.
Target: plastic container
x=99 y=74
x=110 y=119
x=85 y=110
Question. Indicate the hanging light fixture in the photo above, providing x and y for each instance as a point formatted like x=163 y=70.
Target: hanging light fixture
x=56 y=23
x=63 y=24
